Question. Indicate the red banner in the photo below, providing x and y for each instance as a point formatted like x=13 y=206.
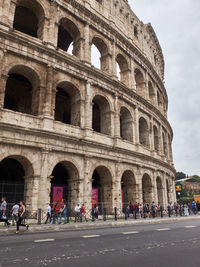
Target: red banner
x=95 y=197
x=57 y=197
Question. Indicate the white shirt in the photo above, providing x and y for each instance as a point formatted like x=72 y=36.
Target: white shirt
x=49 y=209
x=77 y=208
x=15 y=209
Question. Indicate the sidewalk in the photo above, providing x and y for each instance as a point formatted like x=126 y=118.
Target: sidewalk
x=95 y=225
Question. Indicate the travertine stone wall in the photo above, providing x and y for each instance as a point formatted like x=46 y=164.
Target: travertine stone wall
x=39 y=142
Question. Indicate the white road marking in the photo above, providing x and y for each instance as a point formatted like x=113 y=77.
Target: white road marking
x=190 y=226
x=130 y=233
x=90 y=236
x=44 y=240
x=163 y=229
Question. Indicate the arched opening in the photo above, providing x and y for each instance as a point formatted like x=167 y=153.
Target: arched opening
x=151 y=92
x=156 y=138
x=126 y=124
x=22 y=90
x=65 y=184
x=124 y=69
x=99 y=55
x=67 y=106
x=147 y=189
x=68 y=36
x=101 y=115
x=159 y=191
x=128 y=188
x=31 y=12
x=168 y=191
x=140 y=83
x=102 y=189
x=143 y=132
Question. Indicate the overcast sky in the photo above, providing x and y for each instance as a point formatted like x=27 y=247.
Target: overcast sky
x=177 y=25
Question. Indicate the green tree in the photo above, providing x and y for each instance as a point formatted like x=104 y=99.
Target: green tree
x=180 y=175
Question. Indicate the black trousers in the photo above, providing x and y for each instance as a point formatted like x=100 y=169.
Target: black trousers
x=19 y=223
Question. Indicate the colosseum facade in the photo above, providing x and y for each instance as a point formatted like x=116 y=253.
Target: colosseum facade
x=66 y=123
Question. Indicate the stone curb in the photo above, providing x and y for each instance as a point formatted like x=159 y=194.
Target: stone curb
x=97 y=225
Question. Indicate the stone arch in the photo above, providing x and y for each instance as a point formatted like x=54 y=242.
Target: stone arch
x=22 y=90
x=101 y=115
x=124 y=68
x=102 y=186
x=156 y=138
x=140 y=82
x=65 y=175
x=128 y=187
x=102 y=47
x=16 y=174
x=67 y=104
x=147 y=189
x=143 y=132
x=160 y=192
x=126 y=124
x=151 y=92
x=69 y=34
x=33 y=12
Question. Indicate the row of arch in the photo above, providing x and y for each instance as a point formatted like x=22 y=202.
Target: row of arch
x=69 y=39
x=14 y=171
x=22 y=92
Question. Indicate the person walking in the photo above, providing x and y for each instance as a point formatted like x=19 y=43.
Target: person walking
x=96 y=211
x=83 y=212
x=48 y=214
x=3 y=215
x=63 y=212
x=194 y=208
x=15 y=210
x=77 y=213
x=22 y=214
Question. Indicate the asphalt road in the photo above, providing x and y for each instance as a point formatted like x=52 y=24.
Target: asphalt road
x=158 y=245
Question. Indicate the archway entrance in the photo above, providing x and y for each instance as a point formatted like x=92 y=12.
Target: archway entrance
x=159 y=191
x=126 y=125
x=147 y=189
x=64 y=184
x=102 y=189
x=128 y=188
x=12 y=184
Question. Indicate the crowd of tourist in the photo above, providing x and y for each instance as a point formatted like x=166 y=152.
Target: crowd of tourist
x=58 y=212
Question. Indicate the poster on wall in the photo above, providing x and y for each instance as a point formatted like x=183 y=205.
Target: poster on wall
x=57 y=197
x=95 y=197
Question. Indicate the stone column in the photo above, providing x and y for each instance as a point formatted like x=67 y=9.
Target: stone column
x=132 y=78
x=117 y=189
x=165 y=201
x=86 y=52
x=161 y=141
x=88 y=107
x=137 y=139
x=3 y=81
x=87 y=184
x=7 y=14
x=114 y=63
x=53 y=102
x=155 y=191
x=49 y=87
x=32 y=192
x=116 y=118
x=151 y=135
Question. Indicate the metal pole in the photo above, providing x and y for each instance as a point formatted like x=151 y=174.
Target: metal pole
x=115 y=209
x=39 y=216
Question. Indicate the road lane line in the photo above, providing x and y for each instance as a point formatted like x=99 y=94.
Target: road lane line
x=44 y=240
x=90 y=236
x=163 y=229
x=130 y=233
x=190 y=226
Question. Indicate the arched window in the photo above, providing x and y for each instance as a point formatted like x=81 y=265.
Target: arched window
x=29 y=17
x=124 y=70
x=102 y=189
x=67 y=108
x=69 y=37
x=101 y=115
x=22 y=90
x=140 y=83
x=99 y=55
x=128 y=188
x=151 y=92
x=143 y=132
x=147 y=189
x=156 y=138
x=126 y=124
